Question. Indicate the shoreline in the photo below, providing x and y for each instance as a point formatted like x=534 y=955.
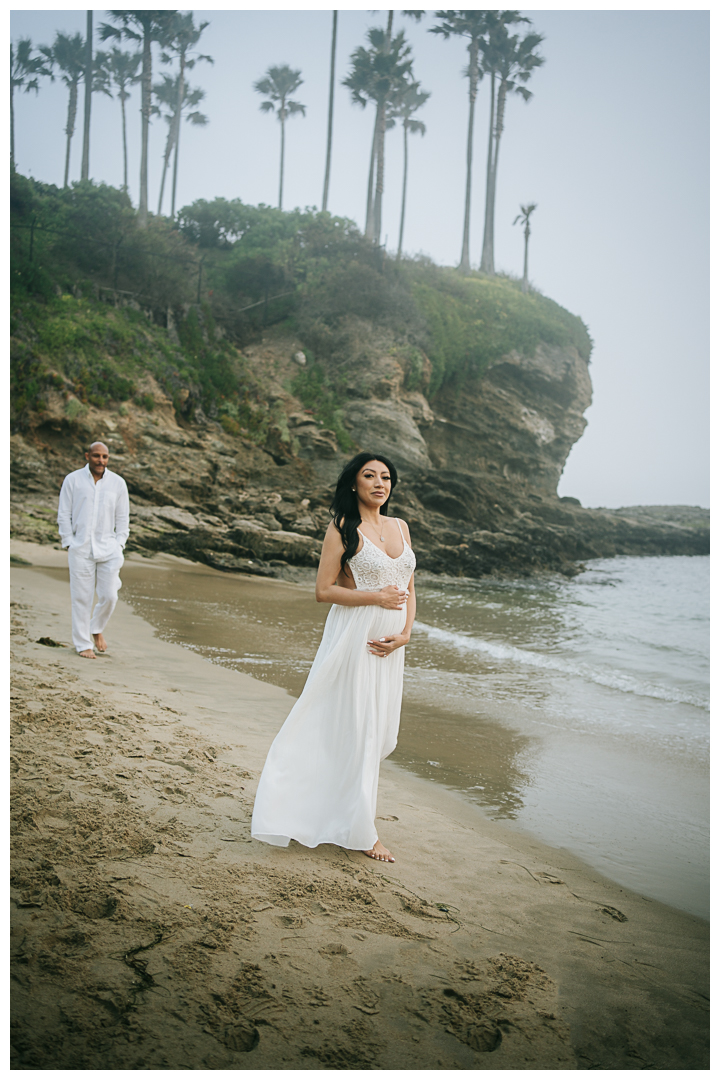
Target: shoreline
x=479 y=948
x=482 y=741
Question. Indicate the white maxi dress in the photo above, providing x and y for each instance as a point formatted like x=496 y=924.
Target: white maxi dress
x=319 y=784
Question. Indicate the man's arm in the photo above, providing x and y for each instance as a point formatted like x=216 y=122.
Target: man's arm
x=122 y=514
x=64 y=517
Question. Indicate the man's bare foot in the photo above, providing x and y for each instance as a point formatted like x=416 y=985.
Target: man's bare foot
x=380 y=852
x=87 y=654
x=100 y=643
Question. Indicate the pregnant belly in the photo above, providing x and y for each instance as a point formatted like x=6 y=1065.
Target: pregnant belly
x=386 y=622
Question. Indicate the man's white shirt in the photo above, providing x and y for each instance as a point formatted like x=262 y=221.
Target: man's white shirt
x=94 y=517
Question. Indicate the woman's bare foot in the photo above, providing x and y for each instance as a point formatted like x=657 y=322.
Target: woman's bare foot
x=87 y=654
x=100 y=643
x=380 y=852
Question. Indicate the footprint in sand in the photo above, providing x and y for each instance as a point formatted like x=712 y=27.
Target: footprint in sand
x=614 y=913
x=334 y=948
x=483 y=1037
x=239 y=1037
x=293 y=922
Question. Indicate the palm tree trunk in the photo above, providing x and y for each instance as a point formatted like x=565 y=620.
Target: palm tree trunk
x=525 y=282
x=145 y=109
x=67 y=159
x=282 y=157
x=404 y=186
x=502 y=94
x=486 y=262
x=166 y=162
x=181 y=95
x=333 y=48
x=473 y=76
x=12 y=127
x=376 y=214
x=85 y=169
x=371 y=175
x=380 y=176
x=70 y=129
x=124 y=139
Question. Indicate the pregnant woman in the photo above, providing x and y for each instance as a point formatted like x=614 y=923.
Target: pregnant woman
x=319 y=784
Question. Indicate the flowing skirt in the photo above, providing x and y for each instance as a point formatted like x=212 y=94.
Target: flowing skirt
x=319 y=783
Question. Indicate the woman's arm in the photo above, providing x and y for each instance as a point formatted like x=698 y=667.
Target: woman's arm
x=411 y=610
x=327 y=591
x=391 y=642
x=396 y=641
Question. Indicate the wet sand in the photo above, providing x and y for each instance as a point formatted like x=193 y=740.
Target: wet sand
x=561 y=757
x=150 y=931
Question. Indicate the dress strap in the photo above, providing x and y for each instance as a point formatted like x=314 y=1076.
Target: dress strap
x=402 y=534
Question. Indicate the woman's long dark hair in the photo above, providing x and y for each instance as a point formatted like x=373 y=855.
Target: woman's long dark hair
x=345 y=510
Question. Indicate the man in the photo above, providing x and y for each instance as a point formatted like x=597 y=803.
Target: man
x=94 y=523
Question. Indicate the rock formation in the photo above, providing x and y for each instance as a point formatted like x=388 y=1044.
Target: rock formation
x=479 y=468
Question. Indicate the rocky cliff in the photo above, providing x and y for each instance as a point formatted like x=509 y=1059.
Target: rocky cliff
x=479 y=465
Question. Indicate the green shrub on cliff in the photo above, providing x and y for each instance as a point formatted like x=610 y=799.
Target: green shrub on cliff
x=219 y=277
x=87 y=236
x=472 y=321
x=74 y=345
x=311 y=386
x=99 y=354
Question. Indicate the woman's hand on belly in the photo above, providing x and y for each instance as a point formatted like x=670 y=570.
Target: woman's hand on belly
x=392 y=598
x=385 y=645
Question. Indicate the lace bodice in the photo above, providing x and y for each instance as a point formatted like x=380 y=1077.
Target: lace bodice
x=372 y=569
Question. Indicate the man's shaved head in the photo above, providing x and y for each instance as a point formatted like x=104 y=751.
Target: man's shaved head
x=97 y=456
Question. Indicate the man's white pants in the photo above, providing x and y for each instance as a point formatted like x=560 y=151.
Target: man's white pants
x=88 y=575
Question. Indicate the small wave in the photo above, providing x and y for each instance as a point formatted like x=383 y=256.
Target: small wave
x=614 y=680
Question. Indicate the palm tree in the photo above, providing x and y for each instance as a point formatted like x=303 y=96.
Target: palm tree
x=333 y=49
x=85 y=168
x=145 y=27
x=514 y=59
x=122 y=69
x=277 y=85
x=68 y=54
x=524 y=217
x=166 y=93
x=413 y=98
x=370 y=208
x=380 y=74
x=475 y=25
x=25 y=70
x=184 y=35
x=492 y=48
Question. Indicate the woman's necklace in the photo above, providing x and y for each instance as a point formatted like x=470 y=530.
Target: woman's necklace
x=379 y=531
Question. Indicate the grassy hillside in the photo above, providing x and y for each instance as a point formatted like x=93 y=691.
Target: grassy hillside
x=97 y=303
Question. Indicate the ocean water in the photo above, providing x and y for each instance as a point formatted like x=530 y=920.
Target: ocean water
x=577 y=709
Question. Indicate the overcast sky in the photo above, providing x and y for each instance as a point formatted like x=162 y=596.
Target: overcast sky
x=613 y=148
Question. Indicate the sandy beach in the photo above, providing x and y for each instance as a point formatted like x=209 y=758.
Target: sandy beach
x=150 y=931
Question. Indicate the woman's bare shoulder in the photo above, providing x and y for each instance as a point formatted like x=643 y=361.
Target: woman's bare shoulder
x=332 y=533
x=404 y=528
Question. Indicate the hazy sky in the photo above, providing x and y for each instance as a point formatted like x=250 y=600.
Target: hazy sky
x=613 y=148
